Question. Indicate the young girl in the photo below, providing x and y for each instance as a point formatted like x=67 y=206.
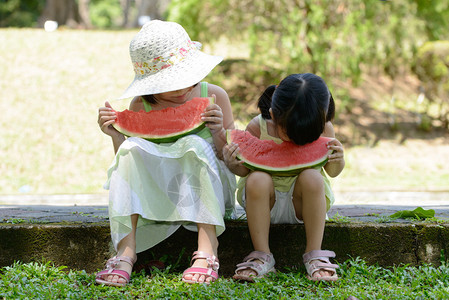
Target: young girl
x=156 y=188
x=300 y=110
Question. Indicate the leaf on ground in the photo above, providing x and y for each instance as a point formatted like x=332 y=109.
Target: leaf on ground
x=418 y=213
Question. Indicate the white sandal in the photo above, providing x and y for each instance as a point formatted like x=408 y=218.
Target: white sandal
x=250 y=263
x=317 y=260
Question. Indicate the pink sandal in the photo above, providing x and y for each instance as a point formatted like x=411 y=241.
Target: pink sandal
x=317 y=260
x=111 y=264
x=250 y=263
x=211 y=270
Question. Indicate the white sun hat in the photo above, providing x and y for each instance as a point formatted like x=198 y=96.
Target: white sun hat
x=165 y=59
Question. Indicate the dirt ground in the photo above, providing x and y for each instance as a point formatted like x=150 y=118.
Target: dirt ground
x=394 y=118
x=385 y=146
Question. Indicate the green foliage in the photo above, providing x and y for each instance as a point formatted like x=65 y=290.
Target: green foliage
x=46 y=281
x=432 y=68
x=334 y=39
x=337 y=218
x=104 y=14
x=418 y=213
x=20 y=13
x=324 y=37
x=25 y=13
x=436 y=15
x=177 y=10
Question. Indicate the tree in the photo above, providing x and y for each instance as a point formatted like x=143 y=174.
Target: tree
x=72 y=13
x=154 y=9
x=20 y=13
x=432 y=68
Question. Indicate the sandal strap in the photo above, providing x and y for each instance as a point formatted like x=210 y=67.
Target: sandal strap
x=316 y=260
x=203 y=271
x=201 y=255
x=212 y=261
x=259 y=255
x=249 y=262
x=212 y=266
x=319 y=265
x=315 y=254
x=113 y=262
x=249 y=265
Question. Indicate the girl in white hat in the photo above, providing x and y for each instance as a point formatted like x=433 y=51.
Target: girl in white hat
x=156 y=188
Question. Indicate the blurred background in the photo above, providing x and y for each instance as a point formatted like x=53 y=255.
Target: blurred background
x=386 y=63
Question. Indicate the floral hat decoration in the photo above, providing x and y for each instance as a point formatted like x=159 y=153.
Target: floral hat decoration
x=165 y=59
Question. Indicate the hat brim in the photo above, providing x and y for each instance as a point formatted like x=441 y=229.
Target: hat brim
x=184 y=74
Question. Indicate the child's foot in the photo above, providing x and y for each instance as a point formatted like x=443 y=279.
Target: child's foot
x=319 y=267
x=117 y=272
x=257 y=264
x=204 y=269
x=320 y=273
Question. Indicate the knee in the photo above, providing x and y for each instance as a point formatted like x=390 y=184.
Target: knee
x=311 y=180
x=259 y=182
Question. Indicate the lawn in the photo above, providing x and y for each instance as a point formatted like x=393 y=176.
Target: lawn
x=44 y=281
x=53 y=83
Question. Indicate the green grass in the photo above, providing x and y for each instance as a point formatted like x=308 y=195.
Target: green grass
x=45 y=281
x=52 y=85
x=415 y=165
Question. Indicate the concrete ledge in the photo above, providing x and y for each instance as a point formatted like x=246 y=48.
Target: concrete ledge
x=87 y=246
x=74 y=245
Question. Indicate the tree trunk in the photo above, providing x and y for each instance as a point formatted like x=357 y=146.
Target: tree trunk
x=126 y=5
x=155 y=9
x=83 y=8
x=66 y=12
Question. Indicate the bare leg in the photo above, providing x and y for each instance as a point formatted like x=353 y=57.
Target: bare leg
x=310 y=206
x=126 y=247
x=259 y=201
x=207 y=242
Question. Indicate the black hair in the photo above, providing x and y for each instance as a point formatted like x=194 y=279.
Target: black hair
x=149 y=98
x=331 y=109
x=264 y=102
x=302 y=104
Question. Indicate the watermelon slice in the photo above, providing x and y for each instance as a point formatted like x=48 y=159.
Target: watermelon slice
x=284 y=159
x=166 y=125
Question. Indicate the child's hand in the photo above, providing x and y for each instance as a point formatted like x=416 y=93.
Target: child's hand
x=213 y=116
x=336 y=161
x=230 y=152
x=337 y=156
x=107 y=116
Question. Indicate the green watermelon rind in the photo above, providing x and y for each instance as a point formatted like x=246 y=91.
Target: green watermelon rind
x=290 y=171
x=169 y=138
x=285 y=172
x=165 y=139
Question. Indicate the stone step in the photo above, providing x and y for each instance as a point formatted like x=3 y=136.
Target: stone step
x=78 y=237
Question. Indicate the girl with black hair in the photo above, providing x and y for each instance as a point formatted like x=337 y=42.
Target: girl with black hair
x=300 y=109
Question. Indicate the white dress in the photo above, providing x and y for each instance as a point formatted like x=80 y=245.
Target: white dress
x=168 y=185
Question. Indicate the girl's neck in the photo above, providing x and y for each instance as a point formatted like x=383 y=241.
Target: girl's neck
x=275 y=131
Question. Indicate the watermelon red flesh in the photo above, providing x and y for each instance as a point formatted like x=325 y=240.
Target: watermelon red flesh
x=284 y=159
x=166 y=125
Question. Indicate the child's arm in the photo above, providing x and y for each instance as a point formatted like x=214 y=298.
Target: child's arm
x=106 y=117
x=219 y=117
x=230 y=151
x=336 y=161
